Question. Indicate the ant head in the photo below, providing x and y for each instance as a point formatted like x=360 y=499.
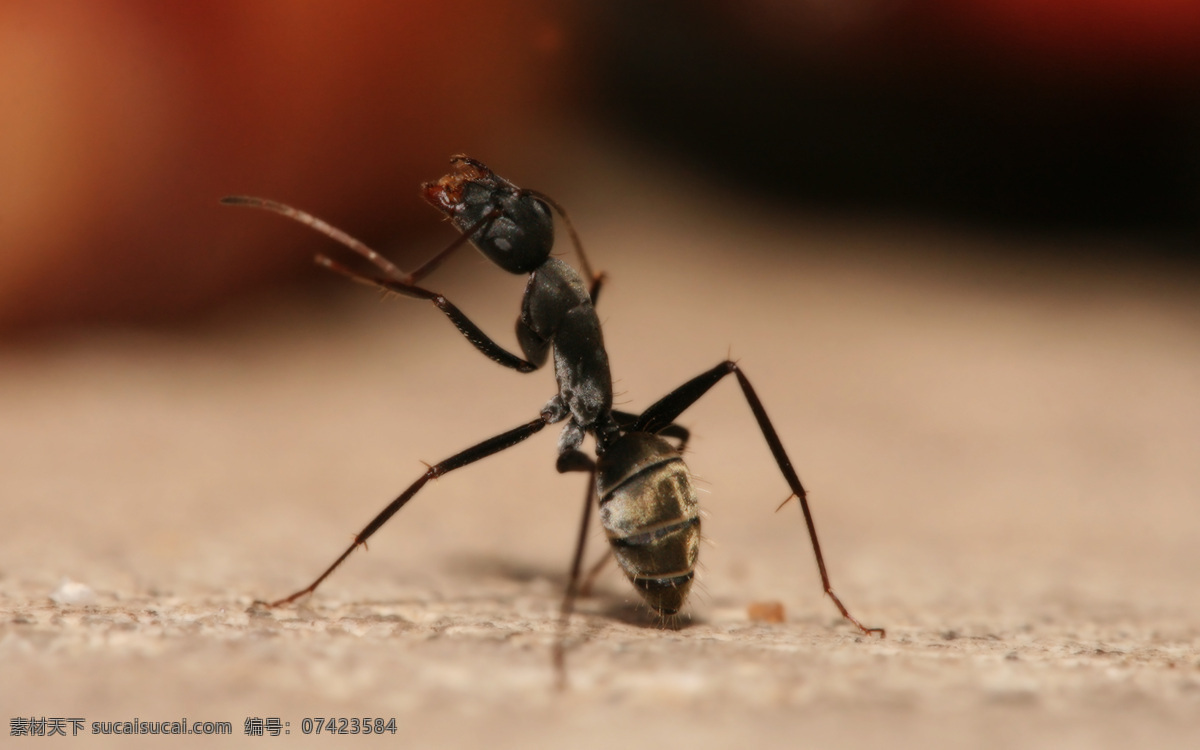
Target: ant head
x=514 y=229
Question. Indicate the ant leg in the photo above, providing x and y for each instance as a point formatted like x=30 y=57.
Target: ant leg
x=662 y=413
x=672 y=430
x=577 y=463
x=469 y=456
x=472 y=332
x=589 y=580
x=594 y=291
x=392 y=278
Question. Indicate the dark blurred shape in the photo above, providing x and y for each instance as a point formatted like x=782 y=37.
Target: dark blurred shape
x=1053 y=115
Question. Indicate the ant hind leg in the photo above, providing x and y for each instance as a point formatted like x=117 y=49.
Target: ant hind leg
x=573 y=461
x=663 y=413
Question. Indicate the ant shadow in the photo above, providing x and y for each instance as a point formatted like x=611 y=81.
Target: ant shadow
x=603 y=600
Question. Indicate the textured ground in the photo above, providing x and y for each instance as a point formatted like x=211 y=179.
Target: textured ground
x=1001 y=456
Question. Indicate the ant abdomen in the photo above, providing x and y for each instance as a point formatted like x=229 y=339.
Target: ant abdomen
x=649 y=511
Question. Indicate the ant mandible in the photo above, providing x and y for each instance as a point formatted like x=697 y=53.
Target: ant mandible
x=647 y=503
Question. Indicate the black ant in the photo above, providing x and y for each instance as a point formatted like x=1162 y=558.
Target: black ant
x=647 y=504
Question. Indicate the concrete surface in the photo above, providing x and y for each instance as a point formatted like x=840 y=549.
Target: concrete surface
x=1001 y=456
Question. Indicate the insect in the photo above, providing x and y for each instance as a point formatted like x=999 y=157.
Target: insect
x=638 y=479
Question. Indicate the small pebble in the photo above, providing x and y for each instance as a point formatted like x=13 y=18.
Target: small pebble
x=73 y=592
x=771 y=612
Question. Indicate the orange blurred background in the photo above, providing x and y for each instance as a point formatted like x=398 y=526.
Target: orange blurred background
x=124 y=122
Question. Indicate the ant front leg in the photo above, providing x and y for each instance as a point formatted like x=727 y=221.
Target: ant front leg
x=391 y=278
x=664 y=412
x=468 y=329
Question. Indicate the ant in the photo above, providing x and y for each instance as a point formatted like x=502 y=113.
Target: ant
x=647 y=504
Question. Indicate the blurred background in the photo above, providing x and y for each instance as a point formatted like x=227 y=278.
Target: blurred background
x=951 y=242
x=123 y=123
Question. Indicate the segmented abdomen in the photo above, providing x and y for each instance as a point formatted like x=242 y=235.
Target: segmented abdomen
x=649 y=511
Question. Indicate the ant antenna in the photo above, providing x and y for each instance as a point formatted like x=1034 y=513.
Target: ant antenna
x=383 y=264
